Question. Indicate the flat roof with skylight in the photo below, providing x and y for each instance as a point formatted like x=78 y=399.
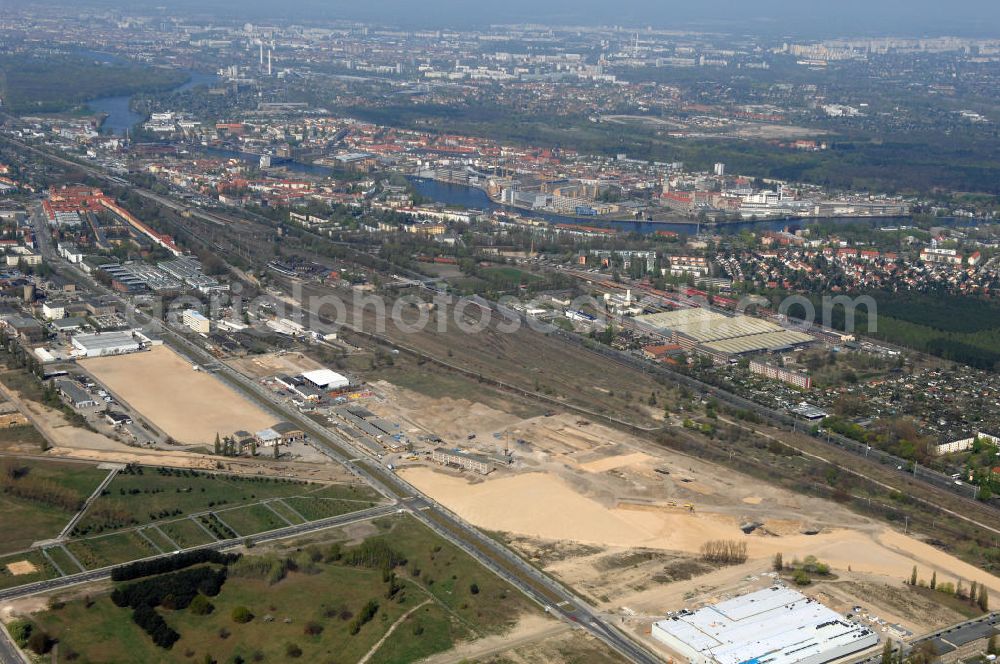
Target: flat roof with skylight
x=776 y=625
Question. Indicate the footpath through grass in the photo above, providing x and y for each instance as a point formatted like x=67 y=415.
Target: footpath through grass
x=39 y=497
x=21 y=568
x=316 y=600
x=140 y=496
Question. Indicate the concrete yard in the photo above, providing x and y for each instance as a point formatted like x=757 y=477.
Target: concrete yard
x=272 y=364
x=190 y=406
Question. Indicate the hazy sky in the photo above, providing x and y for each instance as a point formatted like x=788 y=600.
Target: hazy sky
x=819 y=17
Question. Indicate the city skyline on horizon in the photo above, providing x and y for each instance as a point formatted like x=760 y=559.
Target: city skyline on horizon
x=771 y=17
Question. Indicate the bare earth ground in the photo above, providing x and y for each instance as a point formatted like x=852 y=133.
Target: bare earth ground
x=75 y=443
x=328 y=471
x=451 y=419
x=21 y=567
x=529 y=629
x=56 y=428
x=271 y=364
x=567 y=647
x=607 y=513
x=190 y=406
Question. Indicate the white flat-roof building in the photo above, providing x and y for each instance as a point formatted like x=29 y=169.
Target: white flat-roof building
x=325 y=379
x=53 y=310
x=268 y=437
x=776 y=625
x=196 y=321
x=964 y=443
x=105 y=343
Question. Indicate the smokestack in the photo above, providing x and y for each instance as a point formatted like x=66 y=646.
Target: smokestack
x=268 y=62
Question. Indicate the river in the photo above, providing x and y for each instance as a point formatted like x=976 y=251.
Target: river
x=121 y=117
x=474 y=198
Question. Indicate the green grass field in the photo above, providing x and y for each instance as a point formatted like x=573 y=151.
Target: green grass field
x=313 y=508
x=39 y=497
x=23 y=383
x=284 y=510
x=511 y=274
x=28 y=520
x=153 y=495
x=320 y=592
x=251 y=520
x=159 y=539
x=344 y=492
x=185 y=533
x=405 y=645
x=113 y=549
x=62 y=560
x=22 y=437
x=44 y=570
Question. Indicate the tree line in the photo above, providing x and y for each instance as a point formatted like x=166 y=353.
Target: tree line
x=976 y=595
x=174 y=591
x=724 y=552
x=180 y=561
x=374 y=553
x=18 y=482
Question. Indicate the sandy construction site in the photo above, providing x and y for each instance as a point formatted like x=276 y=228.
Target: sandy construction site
x=272 y=364
x=623 y=520
x=545 y=506
x=190 y=406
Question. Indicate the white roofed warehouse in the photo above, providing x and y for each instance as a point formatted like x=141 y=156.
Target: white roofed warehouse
x=325 y=379
x=101 y=344
x=776 y=625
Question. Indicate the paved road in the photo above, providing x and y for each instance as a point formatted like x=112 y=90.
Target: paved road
x=780 y=418
x=9 y=653
x=86 y=505
x=955 y=637
x=947 y=638
x=469 y=539
x=547 y=592
x=281 y=533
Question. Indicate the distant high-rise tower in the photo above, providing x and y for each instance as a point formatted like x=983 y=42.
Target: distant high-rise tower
x=720 y=169
x=268 y=62
x=261 y=54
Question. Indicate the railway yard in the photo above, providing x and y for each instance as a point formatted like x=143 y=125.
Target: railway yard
x=590 y=491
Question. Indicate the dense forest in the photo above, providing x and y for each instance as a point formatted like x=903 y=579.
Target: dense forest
x=53 y=84
x=958 y=329
x=918 y=162
x=180 y=561
x=174 y=591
